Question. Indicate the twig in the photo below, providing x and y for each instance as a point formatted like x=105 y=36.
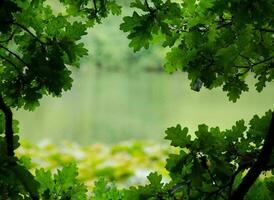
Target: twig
x=263 y=61
x=224 y=25
x=20 y=76
x=14 y=54
x=95 y=7
x=148 y=7
x=175 y=188
x=247 y=59
x=254 y=64
x=29 y=32
x=266 y=30
x=10 y=62
x=216 y=192
x=243 y=73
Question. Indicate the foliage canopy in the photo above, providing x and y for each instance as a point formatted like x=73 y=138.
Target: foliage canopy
x=218 y=43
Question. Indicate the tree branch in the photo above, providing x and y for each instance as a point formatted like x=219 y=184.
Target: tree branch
x=232 y=179
x=14 y=54
x=95 y=7
x=224 y=24
x=29 y=32
x=263 y=61
x=175 y=188
x=8 y=126
x=9 y=140
x=266 y=30
x=259 y=165
x=150 y=9
x=251 y=65
x=20 y=74
x=10 y=62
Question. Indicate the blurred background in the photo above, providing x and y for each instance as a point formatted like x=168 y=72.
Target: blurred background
x=113 y=120
x=119 y=95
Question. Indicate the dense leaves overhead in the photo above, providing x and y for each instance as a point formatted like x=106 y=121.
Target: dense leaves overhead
x=216 y=42
x=39 y=43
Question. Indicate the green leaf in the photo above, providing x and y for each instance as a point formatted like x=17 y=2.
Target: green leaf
x=25 y=161
x=196 y=178
x=66 y=177
x=155 y=180
x=27 y=180
x=75 y=31
x=259 y=191
x=129 y=23
x=45 y=180
x=140 y=5
x=175 y=60
x=15 y=126
x=114 y=8
x=103 y=190
x=205 y=4
x=179 y=137
x=259 y=127
x=236 y=132
x=235 y=87
x=226 y=57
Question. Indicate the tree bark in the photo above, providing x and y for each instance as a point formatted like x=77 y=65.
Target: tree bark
x=8 y=126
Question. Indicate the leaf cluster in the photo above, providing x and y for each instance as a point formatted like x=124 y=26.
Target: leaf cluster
x=63 y=185
x=216 y=42
x=212 y=164
x=39 y=44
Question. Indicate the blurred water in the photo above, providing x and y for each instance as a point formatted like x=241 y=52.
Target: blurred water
x=110 y=107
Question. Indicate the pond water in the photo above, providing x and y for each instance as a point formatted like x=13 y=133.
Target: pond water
x=112 y=106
